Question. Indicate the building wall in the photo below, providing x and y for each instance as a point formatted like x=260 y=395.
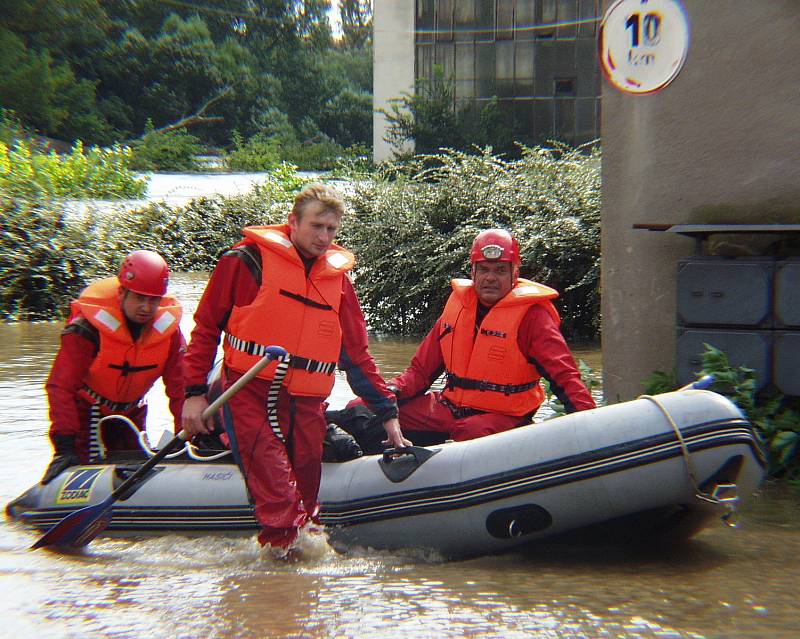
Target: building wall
x=393 y=69
x=538 y=57
x=719 y=144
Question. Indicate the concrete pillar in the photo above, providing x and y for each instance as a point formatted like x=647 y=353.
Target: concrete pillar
x=717 y=145
x=393 y=69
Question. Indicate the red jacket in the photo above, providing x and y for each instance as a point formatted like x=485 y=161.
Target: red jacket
x=540 y=341
x=79 y=346
x=235 y=281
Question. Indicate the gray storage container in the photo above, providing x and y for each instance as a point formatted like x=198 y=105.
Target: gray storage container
x=787 y=294
x=743 y=348
x=726 y=292
x=787 y=362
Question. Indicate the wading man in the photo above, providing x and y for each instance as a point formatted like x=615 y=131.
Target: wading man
x=285 y=285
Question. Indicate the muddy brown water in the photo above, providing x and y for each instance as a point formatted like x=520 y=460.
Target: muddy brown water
x=725 y=583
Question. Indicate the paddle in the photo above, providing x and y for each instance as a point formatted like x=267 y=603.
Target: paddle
x=80 y=527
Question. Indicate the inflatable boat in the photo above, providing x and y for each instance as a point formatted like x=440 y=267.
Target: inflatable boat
x=659 y=467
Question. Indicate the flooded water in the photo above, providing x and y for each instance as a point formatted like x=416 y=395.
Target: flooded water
x=726 y=583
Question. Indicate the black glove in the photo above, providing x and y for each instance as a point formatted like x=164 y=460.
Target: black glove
x=64 y=457
x=339 y=445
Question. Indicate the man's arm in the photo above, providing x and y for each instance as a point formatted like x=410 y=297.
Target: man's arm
x=543 y=345
x=359 y=366
x=425 y=368
x=232 y=283
x=79 y=346
x=173 y=376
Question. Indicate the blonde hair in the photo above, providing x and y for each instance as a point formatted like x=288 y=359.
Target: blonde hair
x=322 y=193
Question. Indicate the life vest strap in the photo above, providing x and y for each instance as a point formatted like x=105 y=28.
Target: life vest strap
x=295 y=361
x=454 y=381
x=111 y=405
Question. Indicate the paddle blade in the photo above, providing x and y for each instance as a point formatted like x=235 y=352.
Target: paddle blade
x=79 y=528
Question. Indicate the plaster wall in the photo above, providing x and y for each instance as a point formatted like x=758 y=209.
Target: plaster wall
x=721 y=143
x=393 y=69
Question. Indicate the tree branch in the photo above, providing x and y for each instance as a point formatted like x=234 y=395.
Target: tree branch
x=198 y=117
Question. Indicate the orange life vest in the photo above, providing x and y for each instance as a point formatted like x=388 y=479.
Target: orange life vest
x=487 y=371
x=298 y=313
x=124 y=369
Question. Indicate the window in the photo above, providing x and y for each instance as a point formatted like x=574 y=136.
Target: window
x=444 y=21
x=563 y=87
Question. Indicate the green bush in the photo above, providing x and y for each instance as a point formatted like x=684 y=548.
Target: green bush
x=413 y=225
x=170 y=151
x=259 y=153
x=94 y=173
x=319 y=155
x=44 y=259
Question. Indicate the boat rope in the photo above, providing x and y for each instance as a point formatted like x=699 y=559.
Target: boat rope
x=729 y=503
x=141 y=435
x=272 y=396
x=95 y=452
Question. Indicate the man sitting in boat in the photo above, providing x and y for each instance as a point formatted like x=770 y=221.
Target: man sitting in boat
x=284 y=285
x=497 y=337
x=122 y=335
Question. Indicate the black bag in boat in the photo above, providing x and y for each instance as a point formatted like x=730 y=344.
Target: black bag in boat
x=367 y=429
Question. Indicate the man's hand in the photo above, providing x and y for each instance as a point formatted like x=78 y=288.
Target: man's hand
x=191 y=419
x=64 y=457
x=394 y=436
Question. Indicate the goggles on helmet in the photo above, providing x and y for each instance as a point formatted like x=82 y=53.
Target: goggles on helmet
x=492 y=252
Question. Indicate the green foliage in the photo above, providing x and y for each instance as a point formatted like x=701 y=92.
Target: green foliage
x=433 y=120
x=775 y=417
x=96 y=71
x=93 y=173
x=356 y=16
x=413 y=225
x=259 y=153
x=591 y=379
x=427 y=117
x=170 y=151
x=44 y=259
x=659 y=382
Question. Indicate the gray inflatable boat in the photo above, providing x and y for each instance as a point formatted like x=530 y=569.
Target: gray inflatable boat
x=656 y=468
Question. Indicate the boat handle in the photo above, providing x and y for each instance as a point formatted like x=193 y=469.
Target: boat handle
x=391 y=454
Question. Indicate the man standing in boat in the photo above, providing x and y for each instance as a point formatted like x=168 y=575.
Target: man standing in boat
x=285 y=285
x=122 y=335
x=497 y=337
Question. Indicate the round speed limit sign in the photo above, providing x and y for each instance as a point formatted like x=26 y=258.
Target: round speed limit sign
x=643 y=44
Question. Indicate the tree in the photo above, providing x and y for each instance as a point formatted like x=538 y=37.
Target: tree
x=356 y=16
x=428 y=117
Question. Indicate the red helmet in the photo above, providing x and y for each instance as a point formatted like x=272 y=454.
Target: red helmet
x=495 y=245
x=144 y=272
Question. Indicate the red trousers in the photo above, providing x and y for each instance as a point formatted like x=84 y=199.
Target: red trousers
x=282 y=477
x=427 y=413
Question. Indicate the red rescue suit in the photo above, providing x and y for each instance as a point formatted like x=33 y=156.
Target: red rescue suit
x=261 y=294
x=100 y=364
x=291 y=310
x=486 y=370
x=495 y=367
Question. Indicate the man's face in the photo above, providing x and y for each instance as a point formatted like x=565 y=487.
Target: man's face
x=313 y=233
x=138 y=308
x=493 y=281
